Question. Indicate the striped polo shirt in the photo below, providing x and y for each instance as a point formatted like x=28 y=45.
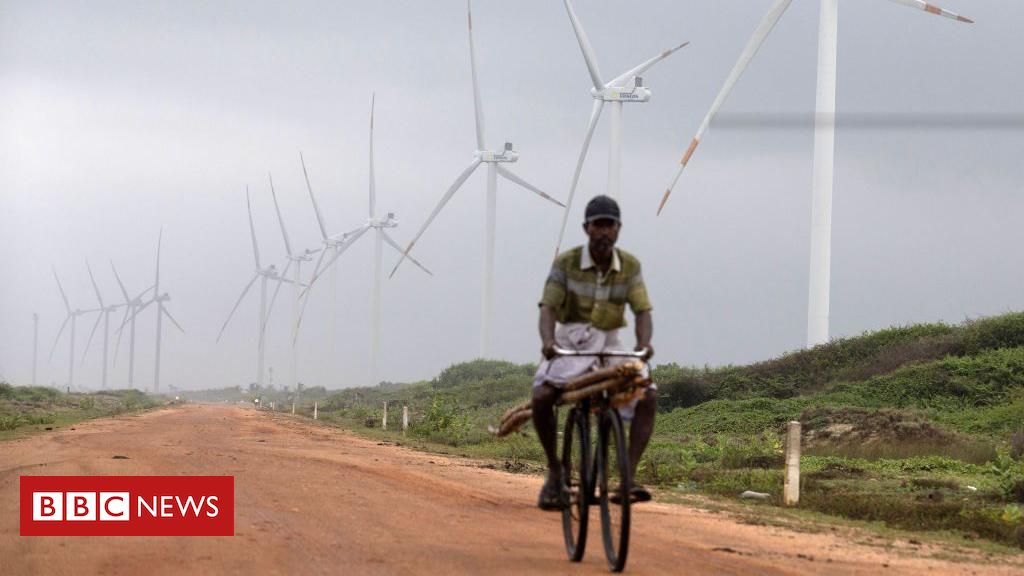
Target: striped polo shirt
x=579 y=292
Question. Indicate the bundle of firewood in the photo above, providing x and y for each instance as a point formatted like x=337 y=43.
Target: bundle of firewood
x=624 y=382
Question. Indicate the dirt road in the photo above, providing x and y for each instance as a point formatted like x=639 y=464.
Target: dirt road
x=316 y=500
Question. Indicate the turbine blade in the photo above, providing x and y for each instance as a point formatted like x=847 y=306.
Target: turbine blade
x=623 y=79
x=762 y=31
x=124 y=292
x=391 y=242
x=59 y=332
x=477 y=108
x=252 y=230
x=933 y=9
x=316 y=271
x=588 y=52
x=280 y=220
x=62 y=294
x=117 y=345
x=595 y=115
x=444 y=200
x=273 y=298
x=373 y=176
x=304 y=296
x=94 y=286
x=171 y=318
x=88 y=343
x=137 y=312
x=512 y=177
x=237 y=302
x=350 y=239
x=316 y=207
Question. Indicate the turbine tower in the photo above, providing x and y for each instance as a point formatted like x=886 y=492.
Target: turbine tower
x=296 y=258
x=264 y=275
x=161 y=311
x=627 y=87
x=72 y=317
x=131 y=306
x=379 y=225
x=494 y=160
x=824 y=145
x=104 y=316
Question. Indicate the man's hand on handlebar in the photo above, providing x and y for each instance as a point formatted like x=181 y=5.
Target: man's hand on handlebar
x=648 y=348
x=548 y=349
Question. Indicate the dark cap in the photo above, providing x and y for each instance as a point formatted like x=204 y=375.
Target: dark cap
x=602 y=208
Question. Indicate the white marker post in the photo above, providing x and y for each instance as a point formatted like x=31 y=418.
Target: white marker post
x=405 y=419
x=384 y=421
x=314 y=410
x=293 y=406
x=791 y=486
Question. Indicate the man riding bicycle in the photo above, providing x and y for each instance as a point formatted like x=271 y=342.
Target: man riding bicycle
x=583 y=308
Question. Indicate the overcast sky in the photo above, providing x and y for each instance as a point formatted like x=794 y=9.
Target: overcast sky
x=117 y=118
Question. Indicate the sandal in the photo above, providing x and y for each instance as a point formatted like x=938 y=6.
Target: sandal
x=636 y=494
x=553 y=497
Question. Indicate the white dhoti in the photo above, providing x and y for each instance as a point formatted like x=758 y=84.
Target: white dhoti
x=584 y=338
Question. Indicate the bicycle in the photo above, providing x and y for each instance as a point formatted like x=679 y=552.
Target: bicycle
x=606 y=471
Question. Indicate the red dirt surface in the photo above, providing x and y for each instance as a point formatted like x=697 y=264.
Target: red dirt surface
x=316 y=500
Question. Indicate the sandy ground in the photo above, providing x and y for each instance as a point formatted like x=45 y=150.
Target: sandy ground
x=316 y=500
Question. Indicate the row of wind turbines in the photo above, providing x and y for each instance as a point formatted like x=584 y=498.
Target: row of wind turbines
x=133 y=306
x=627 y=87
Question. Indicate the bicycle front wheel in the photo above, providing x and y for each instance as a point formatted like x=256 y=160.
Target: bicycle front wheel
x=614 y=483
x=575 y=471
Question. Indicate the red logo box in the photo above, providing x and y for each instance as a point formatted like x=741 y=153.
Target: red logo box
x=127 y=505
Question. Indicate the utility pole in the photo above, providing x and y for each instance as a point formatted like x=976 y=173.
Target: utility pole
x=35 y=345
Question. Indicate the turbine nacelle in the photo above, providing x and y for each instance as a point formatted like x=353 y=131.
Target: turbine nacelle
x=631 y=92
x=388 y=222
x=508 y=154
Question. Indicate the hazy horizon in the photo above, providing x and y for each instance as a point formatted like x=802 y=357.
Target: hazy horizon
x=119 y=119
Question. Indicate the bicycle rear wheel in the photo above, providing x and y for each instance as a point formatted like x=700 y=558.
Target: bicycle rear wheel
x=614 y=483
x=575 y=471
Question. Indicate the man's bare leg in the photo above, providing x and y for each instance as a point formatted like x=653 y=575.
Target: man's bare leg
x=545 y=422
x=641 y=428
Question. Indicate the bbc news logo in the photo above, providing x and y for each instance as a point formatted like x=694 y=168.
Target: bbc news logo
x=127 y=505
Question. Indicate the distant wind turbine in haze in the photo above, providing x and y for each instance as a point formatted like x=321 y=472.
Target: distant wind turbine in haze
x=296 y=258
x=131 y=305
x=161 y=310
x=494 y=161
x=824 y=145
x=379 y=225
x=104 y=316
x=72 y=317
x=264 y=275
x=626 y=87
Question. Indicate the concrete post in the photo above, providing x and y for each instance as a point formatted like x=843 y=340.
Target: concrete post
x=405 y=419
x=384 y=421
x=314 y=410
x=791 y=486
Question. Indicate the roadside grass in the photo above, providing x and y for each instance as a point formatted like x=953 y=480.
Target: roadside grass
x=918 y=427
x=26 y=410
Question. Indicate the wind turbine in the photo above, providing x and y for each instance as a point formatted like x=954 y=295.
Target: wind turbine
x=296 y=258
x=104 y=316
x=72 y=317
x=381 y=237
x=263 y=274
x=159 y=298
x=131 y=305
x=626 y=87
x=824 y=145
x=335 y=244
x=495 y=168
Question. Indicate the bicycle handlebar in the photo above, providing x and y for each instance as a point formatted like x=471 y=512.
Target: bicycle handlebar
x=641 y=354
